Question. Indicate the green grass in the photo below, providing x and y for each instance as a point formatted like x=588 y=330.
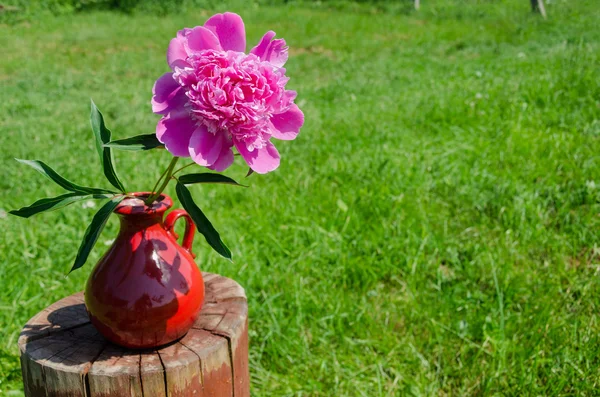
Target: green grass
x=432 y=231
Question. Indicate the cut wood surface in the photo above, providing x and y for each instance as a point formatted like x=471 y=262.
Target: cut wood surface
x=62 y=354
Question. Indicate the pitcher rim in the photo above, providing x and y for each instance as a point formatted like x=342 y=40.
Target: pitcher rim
x=134 y=204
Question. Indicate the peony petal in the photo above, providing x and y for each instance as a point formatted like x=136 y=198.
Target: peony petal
x=175 y=131
x=167 y=94
x=173 y=103
x=224 y=161
x=229 y=28
x=176 y=52
x=275 y=52
x=287 y=124
x=204 y=146
x=261 y=160
x=261 y=48
x=200 y=38
x=182 y=34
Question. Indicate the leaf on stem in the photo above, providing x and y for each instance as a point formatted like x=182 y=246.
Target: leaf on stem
x=48 y=172
x=102 y=135
x=54 y=203
x=202 y=223
x=206 y=177
x=93 y=231
x=138 y=142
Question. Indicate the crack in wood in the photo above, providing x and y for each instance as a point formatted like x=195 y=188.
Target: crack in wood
x=43 y=371
x=230 y=349
x=43 y=368
x=164 y=374
x=85 y=379
x=222 y=318
x=86 y=383
x=232 y=364
x=93 y=360
x=199 y=363
x=35 y=337
x=86 y=376
x=140 y=374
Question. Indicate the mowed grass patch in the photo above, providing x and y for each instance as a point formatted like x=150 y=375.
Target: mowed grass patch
x=432 y=231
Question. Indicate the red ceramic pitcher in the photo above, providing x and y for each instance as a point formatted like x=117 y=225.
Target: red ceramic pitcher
x=146 y=291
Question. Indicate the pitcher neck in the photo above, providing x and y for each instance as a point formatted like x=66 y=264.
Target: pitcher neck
x=139 y=222
x=135 y=215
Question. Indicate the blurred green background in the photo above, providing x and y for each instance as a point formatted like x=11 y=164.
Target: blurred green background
x=432 y=231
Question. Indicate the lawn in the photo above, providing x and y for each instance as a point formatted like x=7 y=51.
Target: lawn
x=434 y=230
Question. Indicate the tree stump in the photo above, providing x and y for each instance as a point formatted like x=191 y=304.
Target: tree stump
x=62 y=354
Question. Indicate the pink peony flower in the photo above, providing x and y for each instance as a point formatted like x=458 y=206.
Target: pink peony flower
x=218 y=97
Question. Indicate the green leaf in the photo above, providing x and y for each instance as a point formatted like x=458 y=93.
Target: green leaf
x=138 y=142
x=103 y=135
x=206 y=177
x=202 y=223
x=48 y=172
x=93 y=231
x=54 y=203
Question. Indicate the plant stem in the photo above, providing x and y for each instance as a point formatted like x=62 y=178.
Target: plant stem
x=159 y=179
x=185 y=166
x=168 y=173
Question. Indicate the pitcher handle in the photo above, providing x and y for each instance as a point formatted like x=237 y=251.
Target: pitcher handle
x=190 y=228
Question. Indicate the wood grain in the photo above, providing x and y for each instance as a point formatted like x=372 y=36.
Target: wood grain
x=62 y=354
